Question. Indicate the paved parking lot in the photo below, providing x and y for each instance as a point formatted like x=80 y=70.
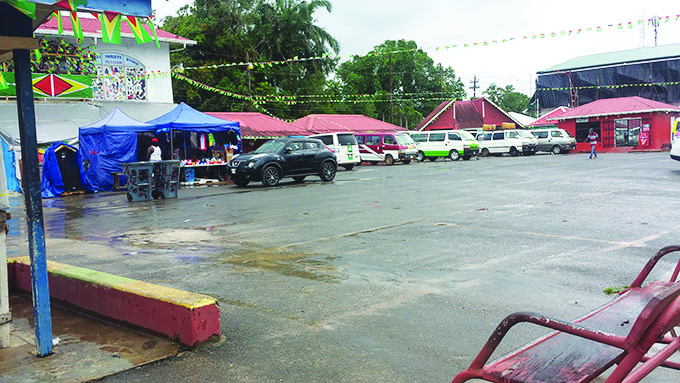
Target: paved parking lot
x=388 y=274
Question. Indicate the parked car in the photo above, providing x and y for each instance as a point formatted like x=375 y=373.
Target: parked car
x=554 y=140
x=675 y=143
x=388 y=147
x=284 y=157
x=512 y=141
x=345 y=147
x=454 y=144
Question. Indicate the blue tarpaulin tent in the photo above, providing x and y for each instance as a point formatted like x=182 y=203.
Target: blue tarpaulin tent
x=187 y=119
x=52 y=183
x=9 y=158
x=108 y=143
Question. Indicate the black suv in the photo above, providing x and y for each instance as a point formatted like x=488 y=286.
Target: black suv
x=284 y=157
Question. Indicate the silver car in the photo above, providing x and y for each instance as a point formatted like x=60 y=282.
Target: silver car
x=555 y=141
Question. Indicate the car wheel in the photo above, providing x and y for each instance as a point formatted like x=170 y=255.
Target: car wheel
x=348 y=167
x=299 y=179
x=454 y=155
x=556 y=149
x=432 y=159
x=485 y=152
x=514 y=152
x=466 y=158
x=240 y=182
x=328 y=170
x=420 y=157
x=389 y=160
x=406 y=162
x=271 y=176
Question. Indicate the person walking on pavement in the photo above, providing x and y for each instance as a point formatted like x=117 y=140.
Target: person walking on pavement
x=153 y=154
x=593 y=138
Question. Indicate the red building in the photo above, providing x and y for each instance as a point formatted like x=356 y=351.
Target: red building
x=470 y=114
x=623 y=124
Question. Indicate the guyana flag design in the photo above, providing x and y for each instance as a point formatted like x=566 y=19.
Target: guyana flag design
x=141 y=35
x=50 y=85
x=110 y=27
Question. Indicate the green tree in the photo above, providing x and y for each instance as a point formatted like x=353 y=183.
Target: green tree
x=239 y=31
x=413 y=76
x=507 y=98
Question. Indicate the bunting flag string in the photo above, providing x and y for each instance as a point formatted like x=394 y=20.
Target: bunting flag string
x=608 y=86
x=25 y=7
x=538 y=36
x=111 y=22
x=141 y=35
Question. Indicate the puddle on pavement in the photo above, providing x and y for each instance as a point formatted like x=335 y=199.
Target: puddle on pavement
x=295 y=264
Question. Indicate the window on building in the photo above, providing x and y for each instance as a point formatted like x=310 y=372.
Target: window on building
x=627 y=132
x=119 y=77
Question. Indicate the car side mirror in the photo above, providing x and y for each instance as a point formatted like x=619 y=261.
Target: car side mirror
x=288 y=150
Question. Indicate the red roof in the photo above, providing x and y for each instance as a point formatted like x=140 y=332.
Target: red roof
x=260 y=125
x=470 y=114
x=617 y=106
x=93 y=28
x=355 y=123
x=550 y=115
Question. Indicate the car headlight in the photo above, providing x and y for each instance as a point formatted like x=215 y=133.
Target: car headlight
x=251 y=165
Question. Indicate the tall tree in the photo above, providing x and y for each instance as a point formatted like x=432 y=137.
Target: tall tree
x=413 y=81
x=507 y=98
x=252 y=31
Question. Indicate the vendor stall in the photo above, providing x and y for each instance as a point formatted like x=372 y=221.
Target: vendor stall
x=62 y=171
x=104 y=145
x=203 y=144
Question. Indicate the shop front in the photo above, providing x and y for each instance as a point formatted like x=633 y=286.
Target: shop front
x=629 y=124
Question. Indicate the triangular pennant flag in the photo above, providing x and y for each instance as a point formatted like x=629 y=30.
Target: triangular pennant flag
x=38 y=55
x=25 y=7
x=3 y=83
x=60 y=24
x=110 y=27
x=155 y=34
x=77 y=28
x=141 y=35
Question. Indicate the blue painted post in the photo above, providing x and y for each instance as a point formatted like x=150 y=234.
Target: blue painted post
x=34 y=212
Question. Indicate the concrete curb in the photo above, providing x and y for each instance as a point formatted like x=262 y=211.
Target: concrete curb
x=191 y=318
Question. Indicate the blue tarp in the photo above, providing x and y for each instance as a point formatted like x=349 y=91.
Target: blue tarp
x=108 y=143
x=188 y=119
x=9 y=158
x=52 y=184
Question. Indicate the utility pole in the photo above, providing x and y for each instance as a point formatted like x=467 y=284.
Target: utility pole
x=391 y=103
x=655 y=24
x=441 y=80
x=250 y=96
x=474 y=87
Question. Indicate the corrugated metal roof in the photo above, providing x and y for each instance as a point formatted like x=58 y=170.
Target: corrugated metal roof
x=355 y=123
x=550 y=115
x=617 y=106
x=619 y=57
x=260 y=125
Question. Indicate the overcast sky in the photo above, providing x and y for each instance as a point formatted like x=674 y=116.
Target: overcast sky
x=359 y=25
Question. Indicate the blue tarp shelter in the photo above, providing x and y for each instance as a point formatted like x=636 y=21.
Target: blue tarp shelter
x=13 y=183
x=52 y=183
x=187 y=119
x=106 y=144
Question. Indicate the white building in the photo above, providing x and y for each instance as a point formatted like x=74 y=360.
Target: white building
x=134 y=77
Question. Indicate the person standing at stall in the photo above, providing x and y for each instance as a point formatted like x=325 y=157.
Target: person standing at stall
x=153 y=154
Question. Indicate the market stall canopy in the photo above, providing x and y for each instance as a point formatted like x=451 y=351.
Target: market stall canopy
x=105 y=144
x=188 y=119
x=117 y=121
x=258 y=125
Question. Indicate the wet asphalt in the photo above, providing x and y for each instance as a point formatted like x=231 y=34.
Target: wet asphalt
x=387 y=274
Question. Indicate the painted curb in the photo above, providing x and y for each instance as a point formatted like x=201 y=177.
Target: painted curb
x=190 y=317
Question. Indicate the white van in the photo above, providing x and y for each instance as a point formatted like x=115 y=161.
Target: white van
x=454 y=144
x=675 y=143
x=513 y=142
x=345 y=147
x=554 y=140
